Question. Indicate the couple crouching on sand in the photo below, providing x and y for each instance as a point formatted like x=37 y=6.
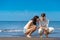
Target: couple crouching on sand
x=43 y=28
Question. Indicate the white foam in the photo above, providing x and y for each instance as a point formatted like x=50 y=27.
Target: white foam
x=11 y=30
x=0 y=30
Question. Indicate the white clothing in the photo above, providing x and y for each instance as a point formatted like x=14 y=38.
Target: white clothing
x=51 y=29
x=26 y=26
x=45 y=24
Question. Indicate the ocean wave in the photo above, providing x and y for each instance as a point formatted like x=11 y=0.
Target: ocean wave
x=19 y=30
x=11 y=30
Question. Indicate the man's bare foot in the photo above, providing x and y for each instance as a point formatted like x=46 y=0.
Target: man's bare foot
x=41 y=37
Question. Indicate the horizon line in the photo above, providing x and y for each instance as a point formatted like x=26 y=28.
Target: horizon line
x=28 y=20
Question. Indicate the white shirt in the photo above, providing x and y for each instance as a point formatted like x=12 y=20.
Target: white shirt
x=44 y=23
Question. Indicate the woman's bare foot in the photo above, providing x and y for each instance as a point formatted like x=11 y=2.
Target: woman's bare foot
x=28 y=36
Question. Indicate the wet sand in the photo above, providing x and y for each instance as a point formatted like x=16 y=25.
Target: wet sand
x=25 y=38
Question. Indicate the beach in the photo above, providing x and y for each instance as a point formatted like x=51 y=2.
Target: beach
x=12 y=30
x=15 y=29
x=20 y=19
x=25 y=38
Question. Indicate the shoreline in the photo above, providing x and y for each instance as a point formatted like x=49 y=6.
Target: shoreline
x=25 y=38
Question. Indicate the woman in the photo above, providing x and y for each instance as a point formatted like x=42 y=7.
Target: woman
x=43 y=26
x=31 y=26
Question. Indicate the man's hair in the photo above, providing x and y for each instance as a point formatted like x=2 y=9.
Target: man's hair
x=43 y=15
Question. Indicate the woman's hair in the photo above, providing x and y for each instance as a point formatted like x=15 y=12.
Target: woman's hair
x=34 y=19
x=43 y=15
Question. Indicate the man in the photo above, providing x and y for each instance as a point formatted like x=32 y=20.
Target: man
x=43 y=26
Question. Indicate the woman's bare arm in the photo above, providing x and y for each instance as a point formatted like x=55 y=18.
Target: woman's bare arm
x=29 y=25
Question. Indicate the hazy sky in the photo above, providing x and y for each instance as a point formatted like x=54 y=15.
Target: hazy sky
x=23 y=10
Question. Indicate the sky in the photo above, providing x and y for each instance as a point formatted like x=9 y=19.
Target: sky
x=24 y=10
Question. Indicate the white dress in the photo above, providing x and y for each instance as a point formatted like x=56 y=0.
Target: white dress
x=26 y=26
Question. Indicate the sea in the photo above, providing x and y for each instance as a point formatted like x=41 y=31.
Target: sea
x=15 y=29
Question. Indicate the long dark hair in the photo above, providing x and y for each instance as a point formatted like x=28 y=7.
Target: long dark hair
x=34 y=19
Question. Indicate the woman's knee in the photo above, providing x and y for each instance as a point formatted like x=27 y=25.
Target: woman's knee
x=35 y=28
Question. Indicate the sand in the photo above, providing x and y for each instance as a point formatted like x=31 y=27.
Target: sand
x=25 y=38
